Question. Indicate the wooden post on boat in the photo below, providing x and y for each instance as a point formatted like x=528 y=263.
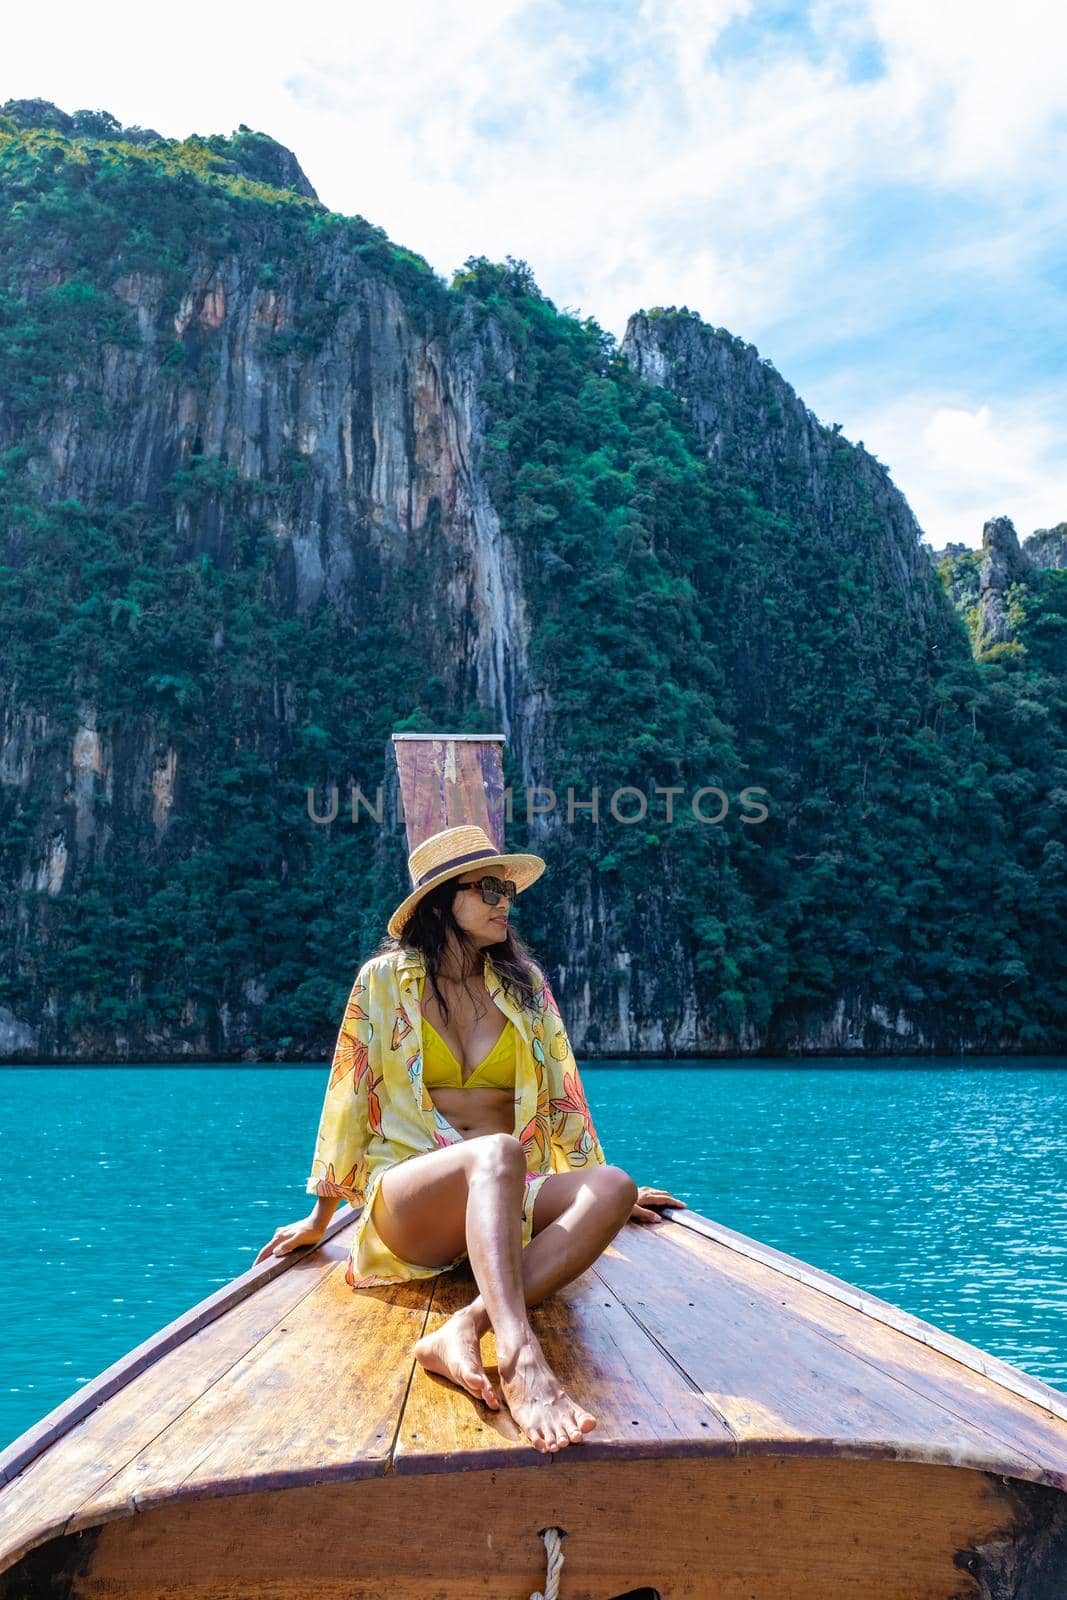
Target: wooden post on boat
x=448 y=780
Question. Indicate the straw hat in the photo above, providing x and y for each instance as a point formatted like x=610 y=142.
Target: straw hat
x=450 y=854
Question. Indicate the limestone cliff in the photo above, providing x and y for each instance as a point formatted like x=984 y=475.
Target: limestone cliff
x=1003 y=564
x=757 y=431
x=270 y=489
x=980 y=582
x=1047 y=547
x=371 y=419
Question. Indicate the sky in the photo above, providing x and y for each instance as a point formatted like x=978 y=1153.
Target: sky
x=870 y=192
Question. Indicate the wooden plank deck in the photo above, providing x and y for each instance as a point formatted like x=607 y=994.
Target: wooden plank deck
x=75 y=1451
x=644 y=1406
x=686 y=1341
x=790 y=1371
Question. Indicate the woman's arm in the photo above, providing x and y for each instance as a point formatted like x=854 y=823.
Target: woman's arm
x=322 y=1211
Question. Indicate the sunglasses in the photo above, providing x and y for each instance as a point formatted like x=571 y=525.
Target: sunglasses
x=493 y=888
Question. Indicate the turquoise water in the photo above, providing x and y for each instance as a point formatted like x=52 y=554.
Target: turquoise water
x=130 y=1193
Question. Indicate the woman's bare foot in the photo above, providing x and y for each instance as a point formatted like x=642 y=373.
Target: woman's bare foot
x=538 y=1401
x=453 y=1350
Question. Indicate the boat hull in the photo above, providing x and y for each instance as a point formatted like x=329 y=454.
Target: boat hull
x=774 y=1527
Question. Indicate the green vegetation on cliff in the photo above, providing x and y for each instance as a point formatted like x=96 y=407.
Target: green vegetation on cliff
x=689 y=625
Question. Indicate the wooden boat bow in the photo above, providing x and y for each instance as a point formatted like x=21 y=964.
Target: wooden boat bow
x=763 y=1429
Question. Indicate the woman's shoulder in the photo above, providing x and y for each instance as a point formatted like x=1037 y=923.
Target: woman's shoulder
x=532 y=973
x=542 y=992
x=388 y=964
x=535 y=967
x=538 y=976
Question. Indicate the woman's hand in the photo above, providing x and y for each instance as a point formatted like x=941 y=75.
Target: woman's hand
x=652 y=1197
x=291 y=1237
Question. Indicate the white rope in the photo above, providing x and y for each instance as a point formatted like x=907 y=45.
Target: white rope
x=553 y=1538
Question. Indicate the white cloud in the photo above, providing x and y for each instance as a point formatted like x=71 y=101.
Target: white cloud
x=996 y=70
x=633 y=161
x=461 y=129
x=960 y=464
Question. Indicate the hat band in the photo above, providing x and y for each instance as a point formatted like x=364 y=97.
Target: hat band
x=456 y=861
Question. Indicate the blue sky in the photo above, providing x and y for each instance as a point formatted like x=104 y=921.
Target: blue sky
x=868 y=191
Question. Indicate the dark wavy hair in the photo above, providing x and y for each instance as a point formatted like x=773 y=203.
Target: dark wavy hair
x=427 y=928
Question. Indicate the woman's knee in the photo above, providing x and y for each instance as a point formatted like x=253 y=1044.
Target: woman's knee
x=497 y=1155
x=616 y=1188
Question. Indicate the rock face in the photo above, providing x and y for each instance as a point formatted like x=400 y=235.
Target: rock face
x=951 y=549
x=978 y=581
x=757 y=431
x=331 y=406
x=374 y=422
x=1003 y=563
x=834 y=515
x=387 y=422
x=1047 y=547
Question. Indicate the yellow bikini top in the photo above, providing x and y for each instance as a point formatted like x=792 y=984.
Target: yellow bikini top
x=441 y=1070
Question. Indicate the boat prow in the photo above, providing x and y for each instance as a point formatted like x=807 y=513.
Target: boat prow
x=765 y=1432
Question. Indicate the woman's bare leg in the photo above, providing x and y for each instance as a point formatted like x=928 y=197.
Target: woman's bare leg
x=494 y=1167
x=471 y=1192
x=577 y=1214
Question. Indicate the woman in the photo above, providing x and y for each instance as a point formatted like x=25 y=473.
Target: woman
x=465 y=1133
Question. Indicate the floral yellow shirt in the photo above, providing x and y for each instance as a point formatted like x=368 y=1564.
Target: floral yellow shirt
x=377 y=1111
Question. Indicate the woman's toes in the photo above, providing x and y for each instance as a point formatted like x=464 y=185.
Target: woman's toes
x=477 y=1384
